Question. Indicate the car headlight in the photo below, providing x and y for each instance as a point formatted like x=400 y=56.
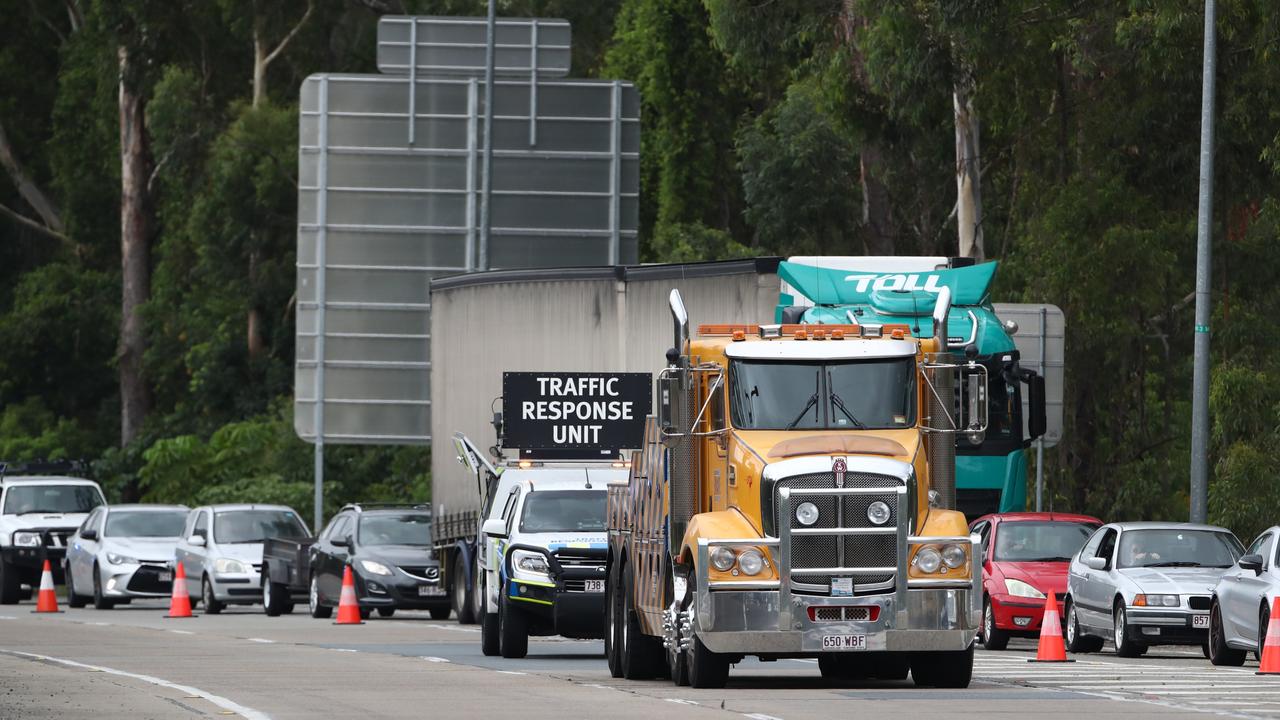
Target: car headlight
x=1156 y=601
x=928 y=560
x=27 y=539
x=751 y=562
x=374 y=567
x=878 y=513
x=530 y=562
x=722 y=558
x=227 y=565
x=954 y=556
x=807 y=513
x=1018 y=588
x=115 y=559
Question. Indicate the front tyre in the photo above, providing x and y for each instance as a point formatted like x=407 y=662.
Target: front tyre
x=1126 y=646
x=489 y=635
x=1219 y=652
x=1077 y=641
x=73 y=600
x=100 y=601
x=275 y=596
x=993 y=638
x=10 y=586
x=943 y=669
x=513 y=630
x=318 y=611
x=463 y=591
x=212 y=606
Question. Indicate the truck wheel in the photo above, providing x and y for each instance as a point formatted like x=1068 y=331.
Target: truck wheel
x=841 y=667
x=706 y=669
x=513 y=630
x=1126 y=647
x=212 y=606
x=274 y=595
x=993 y=638
x=463 y=591
x=640 y=653
x=677 y=659
x=318 y=611
x=100 y=601
x=613 y=630
x=1077 y=641
x=73 y=600
x=943 y=669
x=10 y=586
x=440 y=613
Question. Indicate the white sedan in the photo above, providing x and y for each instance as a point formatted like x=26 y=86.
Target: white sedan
x=122 y=552
x=1242 y=602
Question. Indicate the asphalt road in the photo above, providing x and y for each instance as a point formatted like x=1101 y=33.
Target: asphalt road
x=131 y=662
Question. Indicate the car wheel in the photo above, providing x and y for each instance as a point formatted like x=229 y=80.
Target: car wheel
x=1264 y=619
x=1219 y=653
x=1077 y=641
x=993 y=638
x=489 y=635
x=942 y=669
x=318 y=611
x=73 y=599
x=100 y=601
x=212 y=606
x=513 y=630
x=10 y=586
x=463 y=591
x=275 y=596
x=387 y=612
x=1126 y=647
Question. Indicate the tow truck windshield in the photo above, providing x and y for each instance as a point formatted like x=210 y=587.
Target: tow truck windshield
x=861 y=395
x=563 y=511
x=23 y=499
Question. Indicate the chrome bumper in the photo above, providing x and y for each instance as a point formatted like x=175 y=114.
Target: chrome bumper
x=769 y=617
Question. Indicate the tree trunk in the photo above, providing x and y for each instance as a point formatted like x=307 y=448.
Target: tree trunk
x=968 y=173
x=135 y=253
x=879 y=230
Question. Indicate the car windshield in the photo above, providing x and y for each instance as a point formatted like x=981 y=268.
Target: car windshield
x=848 y=395
x=1040 y=541
x=145 y=523
x=1178 y=548
x=563 y=510
x=252 y=526
x=21 y=499
x=386 y=529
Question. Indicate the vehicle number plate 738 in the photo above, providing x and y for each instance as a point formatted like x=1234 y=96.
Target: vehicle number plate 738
x=1200 y=621
x=844 y=642
x=594 y=586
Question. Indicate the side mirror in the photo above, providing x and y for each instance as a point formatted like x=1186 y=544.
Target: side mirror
x=1096 y=563
x=1252 y=562
x=197 y=541
x=495 y=527
x=89 y=534
x=1037 y=421
x=668 y=387
x=341 y=542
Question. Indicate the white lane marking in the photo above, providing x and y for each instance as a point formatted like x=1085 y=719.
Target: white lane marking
x=431 y=658
x=453 y=628
x=246 y=712
x=760 y=716
x=100 y=624
x=598 y=686
x=343 y=650
x=678 y=701
x=7 y=617
x=510 y=672
x=182 y=632
x=261 y=640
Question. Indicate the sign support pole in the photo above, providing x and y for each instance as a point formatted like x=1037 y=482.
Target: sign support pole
x=322 y=233
x=1044 y=331
x=486 y=169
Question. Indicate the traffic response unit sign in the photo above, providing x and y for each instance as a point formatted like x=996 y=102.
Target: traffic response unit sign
x=590 y=414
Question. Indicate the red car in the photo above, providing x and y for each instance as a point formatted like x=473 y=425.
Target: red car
x=1026 y=556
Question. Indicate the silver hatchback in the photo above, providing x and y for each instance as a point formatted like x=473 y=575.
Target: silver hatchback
x=1140 y=584
x=1242 y=601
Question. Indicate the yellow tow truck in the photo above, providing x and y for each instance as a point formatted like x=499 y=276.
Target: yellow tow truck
x=793 y=500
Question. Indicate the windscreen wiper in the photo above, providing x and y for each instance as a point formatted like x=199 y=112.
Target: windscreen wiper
x=813 y=400
x=1174 y=563
x=839 y=405
x=1043 y=559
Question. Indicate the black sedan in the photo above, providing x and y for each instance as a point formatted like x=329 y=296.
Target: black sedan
x=389 y=552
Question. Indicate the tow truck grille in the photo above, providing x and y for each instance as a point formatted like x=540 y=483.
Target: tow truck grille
x=851 y=551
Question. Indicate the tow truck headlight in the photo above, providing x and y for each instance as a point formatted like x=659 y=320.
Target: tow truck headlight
x=751 y=562
x=116 y=559
x=530 y=562
x=1018 y=588
x=228 y=565
x=26 y=539
x=722 y=558
x=375 y=568
x=954 y=556
x=928 y=560
x=878 y=513
x=807 y=513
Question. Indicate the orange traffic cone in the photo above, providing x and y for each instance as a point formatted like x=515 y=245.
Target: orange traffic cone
x=47 y=600
x=1051 y=648
x=179 y=600
x=1270 y=664
x=348 y=608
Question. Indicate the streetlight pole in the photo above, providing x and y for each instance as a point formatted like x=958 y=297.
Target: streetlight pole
x=1204 y=265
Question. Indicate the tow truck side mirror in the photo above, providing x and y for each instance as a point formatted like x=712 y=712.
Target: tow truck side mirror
x=1037 y=422
x=495 y=527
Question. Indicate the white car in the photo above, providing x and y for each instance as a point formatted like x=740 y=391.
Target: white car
x=123 y=552
x=1140 y=584
x=1242 y=601
x=37 y=516
x=546 y=550
x=221 y=551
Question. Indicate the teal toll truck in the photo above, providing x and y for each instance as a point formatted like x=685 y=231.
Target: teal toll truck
x=991 y=467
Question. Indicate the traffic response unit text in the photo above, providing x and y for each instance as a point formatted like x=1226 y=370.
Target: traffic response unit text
x=576 y=410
